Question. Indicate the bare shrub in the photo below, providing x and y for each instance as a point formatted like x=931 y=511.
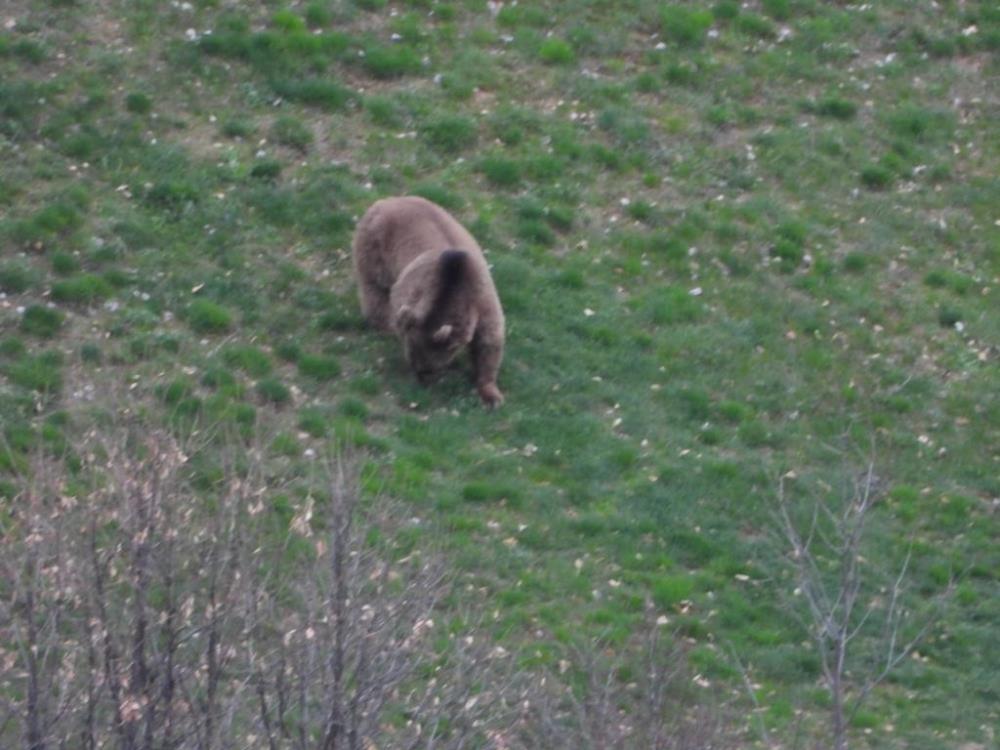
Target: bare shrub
x=639 y=698
x=137 y=613
x=857 y=613
x=271 y=610
x=334 y=634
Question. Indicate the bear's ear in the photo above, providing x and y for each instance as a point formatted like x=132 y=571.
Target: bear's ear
x=442 y=334
x=405 y=319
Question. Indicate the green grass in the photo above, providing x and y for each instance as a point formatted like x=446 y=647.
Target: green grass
x=41 y=321
x=731 y=239
x=207 y=317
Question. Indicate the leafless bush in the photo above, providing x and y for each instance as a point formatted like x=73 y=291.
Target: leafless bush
x=325 y=667
x=272 y=612
x=140 y=614
x=637 y=699
x=856 y=613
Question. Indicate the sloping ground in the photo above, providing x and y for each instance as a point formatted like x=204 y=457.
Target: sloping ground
x=731 y=244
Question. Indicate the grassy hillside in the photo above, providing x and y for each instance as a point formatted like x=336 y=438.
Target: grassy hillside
x=734 y=242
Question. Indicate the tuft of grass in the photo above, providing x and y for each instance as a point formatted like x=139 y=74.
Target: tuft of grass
x=318 y=15
x=353 y=408
x=85 y=289
x=836 y=107
x=318 y=367
x=266 y=169
x=754 y=25
x=482 y=492
x=684 y=25
x=321 y=93
x=138 y=103
x=91 y=354
x=292 y=132
x=252 y=360
x=41 y=321
x=439 y=194
x=556 y=51
x=15 y=278
x=779 y=10
x=172 y=195
x=450 y=133
x=273 y=391
x=385 y=111
x=237 y=128
x=673 y=306
x=877 y=177
x=949 y=316
x=41 y=373
x=206 y=317
x=669 y=591
x=64 y=263
x=501 y=172
x=856 y=262
x=314 y=422
x=390 y=61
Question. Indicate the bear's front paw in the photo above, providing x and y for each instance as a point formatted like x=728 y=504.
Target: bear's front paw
x=491 y=395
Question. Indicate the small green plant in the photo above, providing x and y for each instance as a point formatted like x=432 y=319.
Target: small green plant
x=237 y=128
x=138 y=103
x=556 y=51
x=726 y=10
x=206 y=317
x=640 y=210
x=482 y=492
x=949 y=317
x=253 y=361
x=754 y=25
x=877 y=177
x=837 y=108
x=501 y=172
x=266 y=169
x=671 y=590
x=314 y=422
x=920 y=124
x=855 y=262
x=41 y=321
x=439 y=194
x=29 y=51
x=318 y=15
x=15 y=278
x=788 y=253
x=390 y=61
x=90 y=353
x=218 y=377
x=41 y=373
x=385 y=111
x=172 y=195
x=353 y=408
x=779 y=10
x=12 y=348
x=273 y=391
x=321 y=93
x=175 y=391
x=85 y=289
x=450 y=133
x=292 y=132
x=64 y=263
x=683 y=25
x=672 y=306
x=287 y=20
x=318 y=367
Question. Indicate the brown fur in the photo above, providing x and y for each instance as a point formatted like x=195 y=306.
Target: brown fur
x=422 y=276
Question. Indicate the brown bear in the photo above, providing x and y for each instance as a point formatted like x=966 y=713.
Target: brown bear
x=422 y=276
